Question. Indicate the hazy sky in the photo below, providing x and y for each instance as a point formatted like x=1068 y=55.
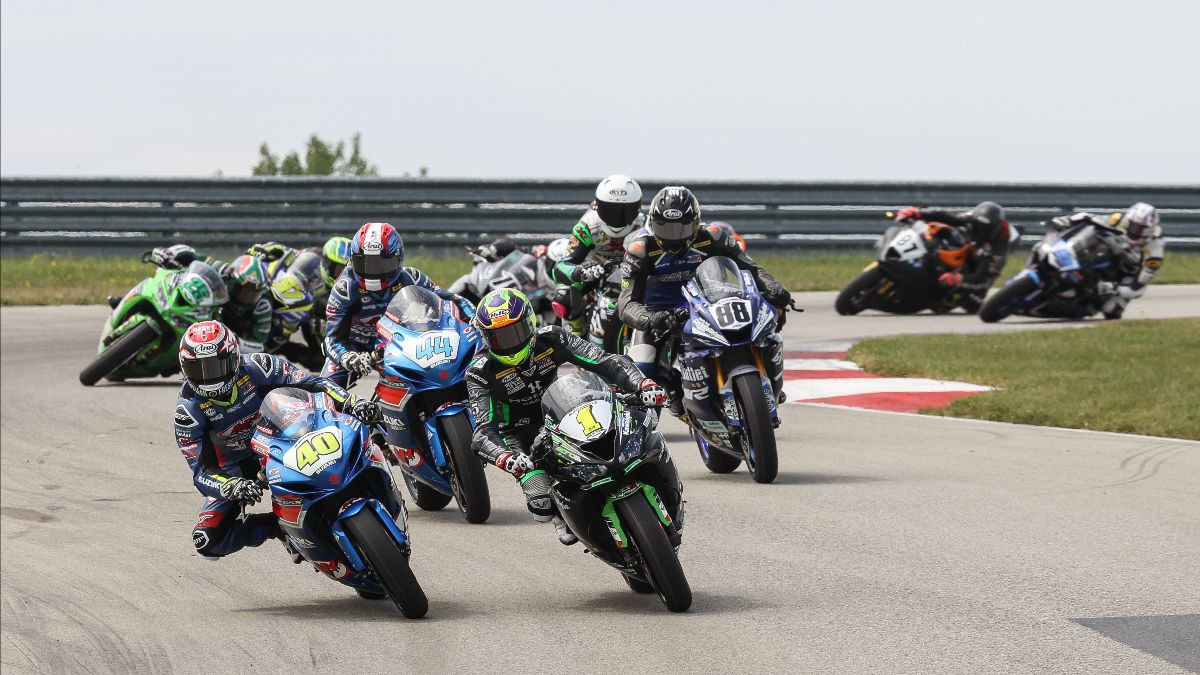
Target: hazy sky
x=942 y=89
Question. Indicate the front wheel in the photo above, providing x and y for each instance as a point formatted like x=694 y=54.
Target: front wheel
x=762 y=456
x=387 y=562
x=637 y=585
x=118 y=352
x=1001 y=303
x=656 y=551
x=470 y=485
x=853 y=298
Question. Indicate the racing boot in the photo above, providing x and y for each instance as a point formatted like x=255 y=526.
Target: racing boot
x=113 y=301
x=565 y=535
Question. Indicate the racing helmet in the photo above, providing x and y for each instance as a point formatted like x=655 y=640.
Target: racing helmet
x=289 y=292
x=618 y=203
x=1139 y=222
x=377 y=256
x=557 y=250
x=247 y=276
x=719 y=227
x=504 y=319
x=674 y=218
x=987 y=220
x=335 y=255
x=209 y=358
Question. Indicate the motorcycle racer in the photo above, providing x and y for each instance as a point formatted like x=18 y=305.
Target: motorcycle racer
x=596 y=245
x=214 y=420
x=1138 y=251
x=248 y=312
x=660 y=261
x=361 y=295
x=506 y=383
x=989 y=233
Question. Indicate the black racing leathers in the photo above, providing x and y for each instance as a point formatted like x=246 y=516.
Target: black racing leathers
x=507 y=399
x=988 y=256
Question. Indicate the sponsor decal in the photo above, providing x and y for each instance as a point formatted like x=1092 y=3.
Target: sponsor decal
x=199 y=539
x=183 y=418
x=333 y=568
x=205 y=349
x=264 y=362
x=342 y=287
x=540 y=503
x=209 y=518
x=672 y=214
x=410 y=457
x=302 y=542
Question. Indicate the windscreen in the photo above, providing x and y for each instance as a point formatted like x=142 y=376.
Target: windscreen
x=202 y=285
x=417 y=309
x=571 y=390
x=289 y=411
x=517 y=270
x=719 y=278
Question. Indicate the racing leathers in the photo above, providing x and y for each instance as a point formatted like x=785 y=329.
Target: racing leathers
x=1136 y=263
x=507 y=401
x=592 y=257
x=214 y=438
x=353 y=311
x=652 y=288
x=987 y=257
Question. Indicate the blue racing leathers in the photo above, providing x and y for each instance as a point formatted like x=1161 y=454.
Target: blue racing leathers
x=214 y=438
x=353 y=311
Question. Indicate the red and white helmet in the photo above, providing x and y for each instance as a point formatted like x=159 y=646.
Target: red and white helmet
x=377 y=255
x=209 y=359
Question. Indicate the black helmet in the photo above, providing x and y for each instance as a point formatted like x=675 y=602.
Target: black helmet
x=674 y=218
x=988 y=218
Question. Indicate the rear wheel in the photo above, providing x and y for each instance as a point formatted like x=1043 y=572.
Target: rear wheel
x=387 y=562
x=853 y=298
x=426 y=497
x=118 y=352
x=1000 y=304
x=656 y=551
x=470 y=485
x=762 y=456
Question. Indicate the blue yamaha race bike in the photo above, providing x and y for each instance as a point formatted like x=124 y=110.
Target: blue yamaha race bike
x=426 y=348
x=728 y=327
x=333 y=493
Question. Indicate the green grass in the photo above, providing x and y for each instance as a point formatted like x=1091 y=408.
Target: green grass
x=57 y=280
x=1140 y=377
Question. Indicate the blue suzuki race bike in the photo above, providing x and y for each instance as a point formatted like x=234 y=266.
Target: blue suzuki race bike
x=426 y=348
x=333 y=493
x=729 y=325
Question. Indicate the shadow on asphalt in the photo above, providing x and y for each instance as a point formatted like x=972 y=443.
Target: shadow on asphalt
x=141 y=383
x=452 y=516
x=703 y=602
x=789 y=478
x=357 y=609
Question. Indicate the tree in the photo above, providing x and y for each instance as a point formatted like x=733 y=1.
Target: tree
x=320 y=159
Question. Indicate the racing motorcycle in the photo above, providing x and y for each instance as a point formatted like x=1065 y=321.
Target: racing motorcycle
x=425 y=348
x=1062 y=272
x=903 y=279
x=333 y=493
x=141 y=337
x=597 y=304
x=727 y=328
x=614 y=483
x=518 y=270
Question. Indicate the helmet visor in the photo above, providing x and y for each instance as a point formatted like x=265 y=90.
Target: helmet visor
x=374 y=266
x=245 y=294
x=508 y=339
x=618 y=216
x=210 y=369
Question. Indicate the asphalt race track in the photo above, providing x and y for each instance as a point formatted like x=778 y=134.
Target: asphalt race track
x=889 y=543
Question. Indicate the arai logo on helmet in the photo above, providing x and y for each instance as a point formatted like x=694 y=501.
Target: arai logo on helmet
x=672 y=214
x=372 y=247
x=205 y=349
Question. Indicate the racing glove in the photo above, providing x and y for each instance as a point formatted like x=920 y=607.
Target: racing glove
x=516 y=463
x=652 y=393
x=777 y=295
x=359 y=363
x=171 y=257
x=662 y=322
x=588 y=273
x=950 y=279
x=268 y=251
x=368 y=412
x=241 y=490
x=909 y=213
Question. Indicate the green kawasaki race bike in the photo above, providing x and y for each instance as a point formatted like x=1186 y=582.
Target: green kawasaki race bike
x=141 y=338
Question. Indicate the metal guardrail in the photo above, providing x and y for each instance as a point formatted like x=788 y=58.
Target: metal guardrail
x=136 y=213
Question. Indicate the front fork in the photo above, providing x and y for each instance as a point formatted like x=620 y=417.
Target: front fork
x=617 y=530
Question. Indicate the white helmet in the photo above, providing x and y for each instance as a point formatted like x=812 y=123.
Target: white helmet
x=618 y=203
x=1139 y=222
x=557 y=250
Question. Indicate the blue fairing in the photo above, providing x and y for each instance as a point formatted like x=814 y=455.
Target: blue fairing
x=311 y=460
x=427 y=359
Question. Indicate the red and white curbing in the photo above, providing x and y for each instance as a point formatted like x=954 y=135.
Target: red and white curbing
x=819 y=373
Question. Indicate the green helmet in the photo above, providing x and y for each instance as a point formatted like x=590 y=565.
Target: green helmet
x=505 y=321
x=335 y=255
x=247 y=278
